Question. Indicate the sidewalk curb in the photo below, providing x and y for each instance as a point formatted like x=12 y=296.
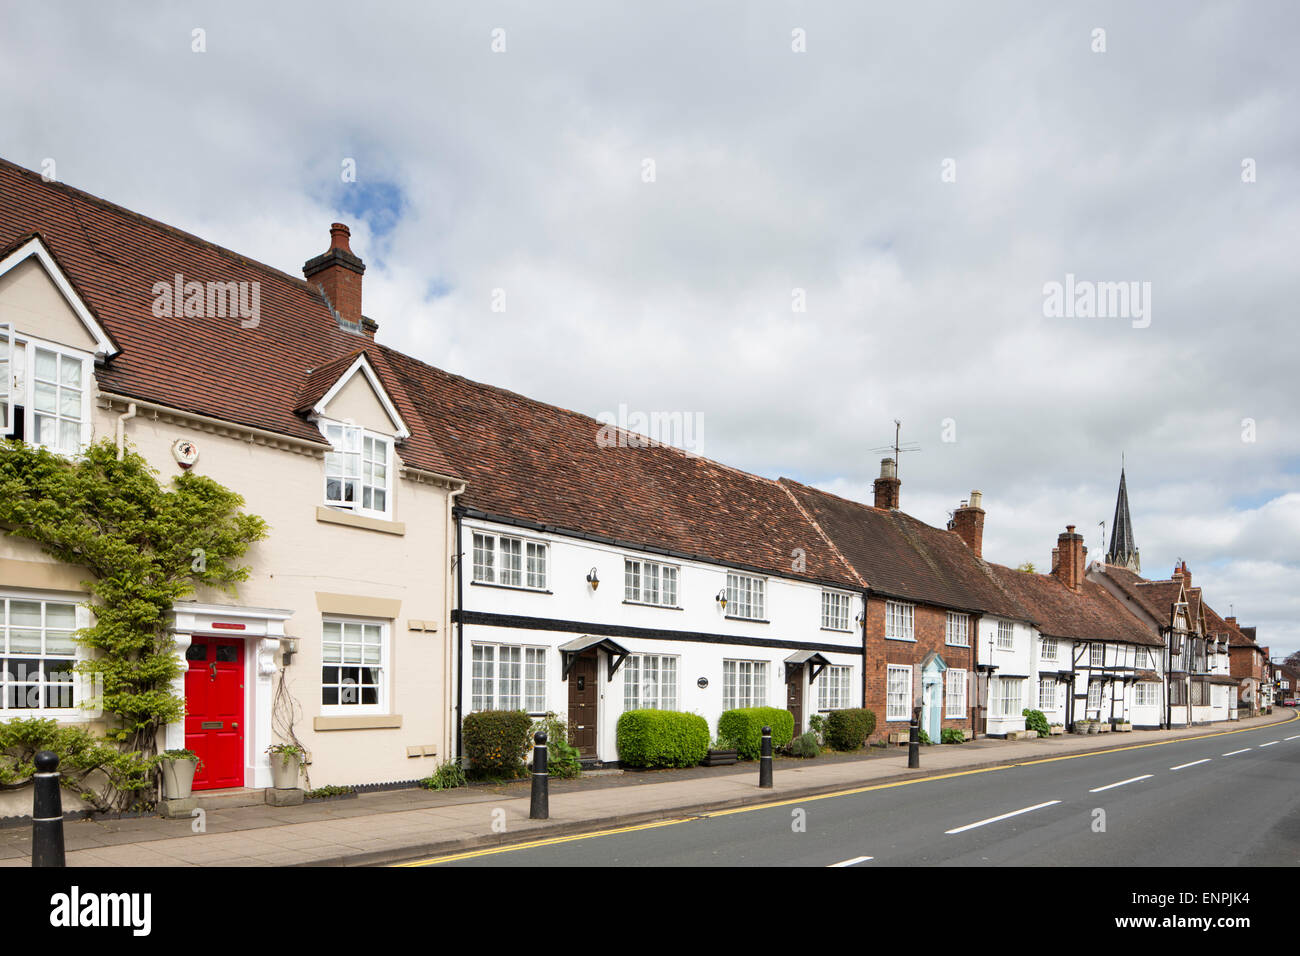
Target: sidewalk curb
x=756 y=800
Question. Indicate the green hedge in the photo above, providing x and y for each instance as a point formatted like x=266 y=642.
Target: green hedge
x=496 y=742
x=849 y=729
x=745 y=726
x=662 y=738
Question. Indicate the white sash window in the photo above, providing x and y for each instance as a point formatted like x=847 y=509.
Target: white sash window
x=357 y=471
x=44 y=393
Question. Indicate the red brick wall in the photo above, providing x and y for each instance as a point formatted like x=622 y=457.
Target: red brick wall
x=930 y=630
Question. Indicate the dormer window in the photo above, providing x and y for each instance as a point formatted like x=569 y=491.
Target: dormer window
x=358 y=472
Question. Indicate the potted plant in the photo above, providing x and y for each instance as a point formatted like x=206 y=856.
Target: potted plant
x=722 y=753
x=1094 y=726
x=178 y=769
x=1056 y=730
x=1104 y=726
x=1122 y=725
x=286 y=764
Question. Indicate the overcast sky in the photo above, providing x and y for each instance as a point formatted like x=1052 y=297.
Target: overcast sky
x=919 y=171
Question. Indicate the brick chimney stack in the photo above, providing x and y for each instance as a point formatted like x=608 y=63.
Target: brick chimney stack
x=968 y=522
x=1070 y=558
x=887 y=485
x=336 y=274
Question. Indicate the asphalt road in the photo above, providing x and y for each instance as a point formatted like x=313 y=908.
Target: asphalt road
x=1232 y=799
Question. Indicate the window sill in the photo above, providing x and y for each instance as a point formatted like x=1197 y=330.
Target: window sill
x=358 y=722
x=350 y=520
x=965 y=647
x=509 y=587
x=839 y=630
x=909 y=640
x=749 y=620
x=661 y=607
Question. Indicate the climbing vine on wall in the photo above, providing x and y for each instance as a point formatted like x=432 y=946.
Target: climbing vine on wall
x=146 y=546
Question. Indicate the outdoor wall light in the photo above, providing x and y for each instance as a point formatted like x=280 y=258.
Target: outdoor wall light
x=288 y=648
x=722 y=598
x=592 y=579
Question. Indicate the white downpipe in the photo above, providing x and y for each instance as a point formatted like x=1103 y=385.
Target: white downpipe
x=122 y=419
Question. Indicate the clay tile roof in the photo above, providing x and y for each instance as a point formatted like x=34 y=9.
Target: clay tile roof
x=534 y=462
x=318 y=381
x=256 y=376
x=900 y=556
x=1090 y=614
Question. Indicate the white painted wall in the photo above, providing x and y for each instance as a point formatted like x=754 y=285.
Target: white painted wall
x=792 y=614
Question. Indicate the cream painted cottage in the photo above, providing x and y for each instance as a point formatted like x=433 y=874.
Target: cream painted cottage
x=339 y=640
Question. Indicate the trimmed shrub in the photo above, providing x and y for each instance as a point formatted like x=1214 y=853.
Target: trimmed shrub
x=952 y=735
x=496 y=741
x=923 y=737
x=849 y=729
x=1036 y=720
x=745 y=726
x=805 y=745
x=662 y=738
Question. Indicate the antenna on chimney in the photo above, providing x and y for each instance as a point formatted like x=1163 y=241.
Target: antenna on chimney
x=898 y=447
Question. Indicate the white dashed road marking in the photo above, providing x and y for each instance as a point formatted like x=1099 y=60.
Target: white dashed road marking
x=1004 y=816
x=1233 y=753
x=1184 y=766
x=1112 y=786
x=852 y=862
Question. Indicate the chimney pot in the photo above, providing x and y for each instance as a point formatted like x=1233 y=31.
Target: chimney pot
x=968 y=522
x=1070 y=558
x=887 y=485
x=336 y=274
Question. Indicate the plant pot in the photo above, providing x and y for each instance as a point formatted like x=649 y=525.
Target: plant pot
x=178 y=778
x=720 y=758
x=1094 y=728
x=285 y=770
x=1055 y=730
x=1103 y=728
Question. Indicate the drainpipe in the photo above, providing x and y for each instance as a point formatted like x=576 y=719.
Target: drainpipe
x=460 y=632
x=449 y=703
x=122 y=419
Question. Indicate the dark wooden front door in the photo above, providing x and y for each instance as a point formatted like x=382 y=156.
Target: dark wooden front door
x=794 y=697
x=214 y=710
x=582 y=704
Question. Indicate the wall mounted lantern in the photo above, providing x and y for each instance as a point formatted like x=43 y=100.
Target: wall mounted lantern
x=592 y=579
x=722 y=598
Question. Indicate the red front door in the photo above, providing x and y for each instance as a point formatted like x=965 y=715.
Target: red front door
x=214 y=710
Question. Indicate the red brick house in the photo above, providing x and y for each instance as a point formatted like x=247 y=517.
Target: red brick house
x=927 y=593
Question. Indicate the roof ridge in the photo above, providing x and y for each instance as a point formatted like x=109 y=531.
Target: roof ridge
x=73 y=193
x=573 y=413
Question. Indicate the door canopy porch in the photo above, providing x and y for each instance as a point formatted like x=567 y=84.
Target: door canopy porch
x=799 y=658
x=569 y=652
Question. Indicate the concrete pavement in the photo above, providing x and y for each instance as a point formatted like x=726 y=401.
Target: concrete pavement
x=407 y=824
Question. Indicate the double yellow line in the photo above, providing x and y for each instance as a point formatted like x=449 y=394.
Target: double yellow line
x=532 y=844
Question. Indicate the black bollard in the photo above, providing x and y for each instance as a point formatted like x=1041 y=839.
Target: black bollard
x=47 y=813
x=914 y=741
x=540 y=809
x=765 y=761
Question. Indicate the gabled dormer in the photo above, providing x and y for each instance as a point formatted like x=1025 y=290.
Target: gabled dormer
x=355 y=412
x=50 y=340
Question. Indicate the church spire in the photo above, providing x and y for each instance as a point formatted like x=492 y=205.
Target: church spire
x=1123 y=552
